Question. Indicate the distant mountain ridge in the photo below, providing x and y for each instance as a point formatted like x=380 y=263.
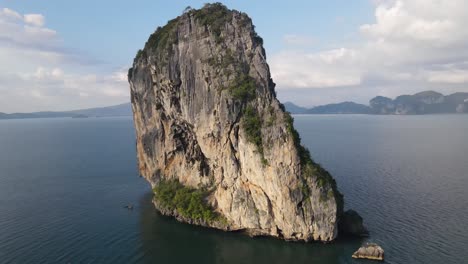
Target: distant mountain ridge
x=427 y=102
x=339 y=108
x=109 y=111
x=295 y=109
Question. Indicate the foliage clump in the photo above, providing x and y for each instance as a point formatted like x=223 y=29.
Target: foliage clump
x=305 y=190
x=252 y=126
x=309 y=167
x=243 y=88
x=164 y=37
x=130 y=73
x=213 y=16
x=140 y=53
x=224 y=62
x=258 y=39
x=188 y=202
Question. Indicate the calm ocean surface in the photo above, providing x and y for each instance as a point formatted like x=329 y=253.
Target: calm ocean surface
x=64 y=182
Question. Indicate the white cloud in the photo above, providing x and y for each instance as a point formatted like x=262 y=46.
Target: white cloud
x=37 y=20
x=27 y=31
x=52 y=88
x=8 y=13
x=296 y=70
x=454 y=76
x=411 y=43
x=37 y=72
x=43 y=73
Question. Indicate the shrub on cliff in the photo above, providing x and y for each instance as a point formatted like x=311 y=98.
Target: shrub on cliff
x=213 y=15
x=188 y=202
x=243 y=88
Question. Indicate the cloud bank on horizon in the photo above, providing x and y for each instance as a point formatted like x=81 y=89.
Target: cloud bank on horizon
x=38 y=72
x=412 y=45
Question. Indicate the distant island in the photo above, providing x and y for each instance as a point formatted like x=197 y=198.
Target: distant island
x=109 y=111
x=427 y=102
x=339 y=108
x=80 y=116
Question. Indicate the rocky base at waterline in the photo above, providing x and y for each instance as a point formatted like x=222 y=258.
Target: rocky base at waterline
x=370 y=251
x=222 y=225
x=351 y=224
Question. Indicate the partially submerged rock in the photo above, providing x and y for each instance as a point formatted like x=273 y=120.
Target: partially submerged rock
x=351 y=224
x=370 y=251
x=129 y=207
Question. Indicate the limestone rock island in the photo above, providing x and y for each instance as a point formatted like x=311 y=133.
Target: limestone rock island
x=215 y=143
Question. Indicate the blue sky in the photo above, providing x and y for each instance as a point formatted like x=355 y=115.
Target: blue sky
x=112 y=31
x=60 y=55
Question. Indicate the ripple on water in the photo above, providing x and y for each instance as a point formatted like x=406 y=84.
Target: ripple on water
x=63 y=188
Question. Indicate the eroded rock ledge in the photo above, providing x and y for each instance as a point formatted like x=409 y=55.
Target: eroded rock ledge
x=207 y=118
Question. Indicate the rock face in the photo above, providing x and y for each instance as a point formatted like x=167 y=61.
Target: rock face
x=351 y=223
x=207 y=117
x=370 y=251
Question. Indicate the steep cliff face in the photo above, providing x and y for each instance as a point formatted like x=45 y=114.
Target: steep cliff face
x=211 y=134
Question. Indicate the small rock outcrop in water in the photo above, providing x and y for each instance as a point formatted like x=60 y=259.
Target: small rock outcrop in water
x=213 y=140
x=370 y=251
x=129 y=207
x=351 y=224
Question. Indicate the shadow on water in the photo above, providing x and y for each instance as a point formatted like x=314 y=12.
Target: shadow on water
x=164 y=240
